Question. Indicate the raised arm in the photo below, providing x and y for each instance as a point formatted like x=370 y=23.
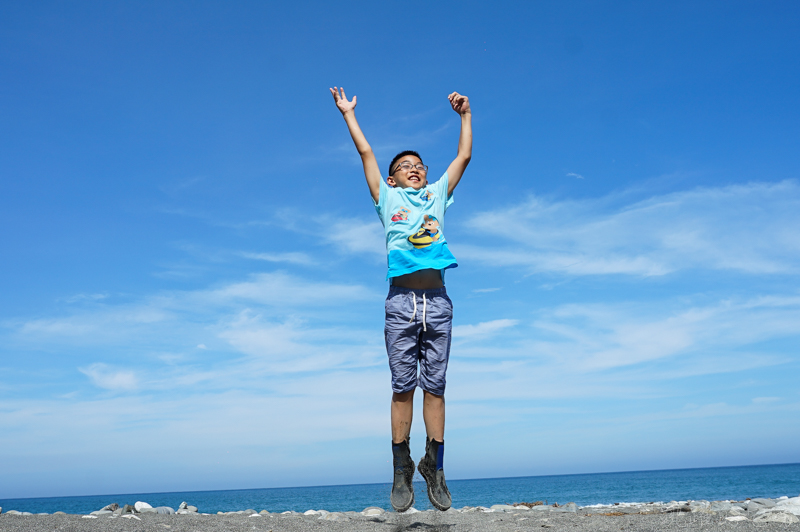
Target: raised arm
x=456 y=169
x=371 y=170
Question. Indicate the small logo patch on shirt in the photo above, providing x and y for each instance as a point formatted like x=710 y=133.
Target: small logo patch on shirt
x=427 y=196
x=401 y=215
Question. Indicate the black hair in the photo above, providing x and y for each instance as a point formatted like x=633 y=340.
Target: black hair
x=400 y=156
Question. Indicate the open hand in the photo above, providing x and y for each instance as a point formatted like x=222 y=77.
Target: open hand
x=341 y=100
x=459 y=102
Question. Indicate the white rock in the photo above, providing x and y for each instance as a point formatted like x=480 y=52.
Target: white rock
x=776 y=517
x=262 y=512
x=139 y=505
x=254 y=515
x=84 y=516
x=331 y=516
x=736 y=518
x=131 y=516
x=412 y=510
x=372 y=510
x=789 y=502
x=502 y=507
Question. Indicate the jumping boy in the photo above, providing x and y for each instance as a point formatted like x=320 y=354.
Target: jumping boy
x=419 y=314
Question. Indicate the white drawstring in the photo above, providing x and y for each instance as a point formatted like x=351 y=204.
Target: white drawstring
x=424 y=310
x=424 y=305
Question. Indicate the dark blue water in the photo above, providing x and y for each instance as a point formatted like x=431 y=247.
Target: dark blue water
x=716 y=483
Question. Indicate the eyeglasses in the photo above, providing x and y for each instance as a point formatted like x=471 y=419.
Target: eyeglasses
x=407 y=166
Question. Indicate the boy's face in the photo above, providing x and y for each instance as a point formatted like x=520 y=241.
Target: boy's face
x=412 y=178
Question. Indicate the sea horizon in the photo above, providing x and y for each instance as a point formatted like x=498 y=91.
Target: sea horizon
x=709 y=483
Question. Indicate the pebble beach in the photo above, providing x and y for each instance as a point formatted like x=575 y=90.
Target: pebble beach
x=760 y=513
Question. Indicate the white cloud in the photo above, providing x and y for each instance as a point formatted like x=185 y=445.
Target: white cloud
x=355 y=236
x=280 y=289
x=109 y=378
x=576 y=176
x=487 y=328
x=749 y=229
x=292 y=258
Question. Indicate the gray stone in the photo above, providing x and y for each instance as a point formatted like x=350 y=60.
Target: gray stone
x=767 y=503
x=332 y=516
x=59 y=513
x=720 y=506
x=735 y=518
x=502 y=507
x=672 y=509
x=148 y=511
x=249 y=512
x=1 y=509
x=140 y=505
x=110 y=507
x=101 y=512
x=703 y=507
x=754 y=506
x=165 y=510
x=183 y=506
x=263 y=512
x=372 y=510
x=776 y=517
x=570 y=507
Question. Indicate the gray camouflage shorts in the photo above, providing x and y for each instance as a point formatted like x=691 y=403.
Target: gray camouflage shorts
x=417 y=332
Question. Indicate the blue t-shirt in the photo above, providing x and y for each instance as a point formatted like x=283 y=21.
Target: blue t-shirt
x=413 y=221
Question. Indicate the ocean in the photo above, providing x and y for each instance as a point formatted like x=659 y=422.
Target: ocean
x=713 y=483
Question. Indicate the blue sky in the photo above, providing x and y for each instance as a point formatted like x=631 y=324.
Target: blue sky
x=193 y=274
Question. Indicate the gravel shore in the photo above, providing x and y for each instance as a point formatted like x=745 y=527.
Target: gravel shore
x=740 y=516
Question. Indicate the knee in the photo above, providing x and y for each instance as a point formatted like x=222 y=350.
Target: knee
x=432 y=397
x=402 y=397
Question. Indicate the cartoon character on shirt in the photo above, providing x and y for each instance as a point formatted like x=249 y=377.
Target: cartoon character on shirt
x=427 y=234
x=401 y=215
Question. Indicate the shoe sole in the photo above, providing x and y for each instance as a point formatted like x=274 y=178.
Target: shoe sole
x=411 y=484
x=428 y=481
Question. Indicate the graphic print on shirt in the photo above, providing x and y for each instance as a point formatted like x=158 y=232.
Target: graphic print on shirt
x=401 y=215
x=427 y=196
x=427 y=234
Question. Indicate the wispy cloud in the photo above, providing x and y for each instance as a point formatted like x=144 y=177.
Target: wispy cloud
x=743 y=228
x=109 y=378
x=355 y=236
x=487 y=328
x=292 y=258
x=576 y=176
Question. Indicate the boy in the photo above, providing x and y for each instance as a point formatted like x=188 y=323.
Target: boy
x=418 y=312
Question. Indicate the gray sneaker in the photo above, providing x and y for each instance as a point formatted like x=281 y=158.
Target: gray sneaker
x=402 y=497
x=432 y=470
